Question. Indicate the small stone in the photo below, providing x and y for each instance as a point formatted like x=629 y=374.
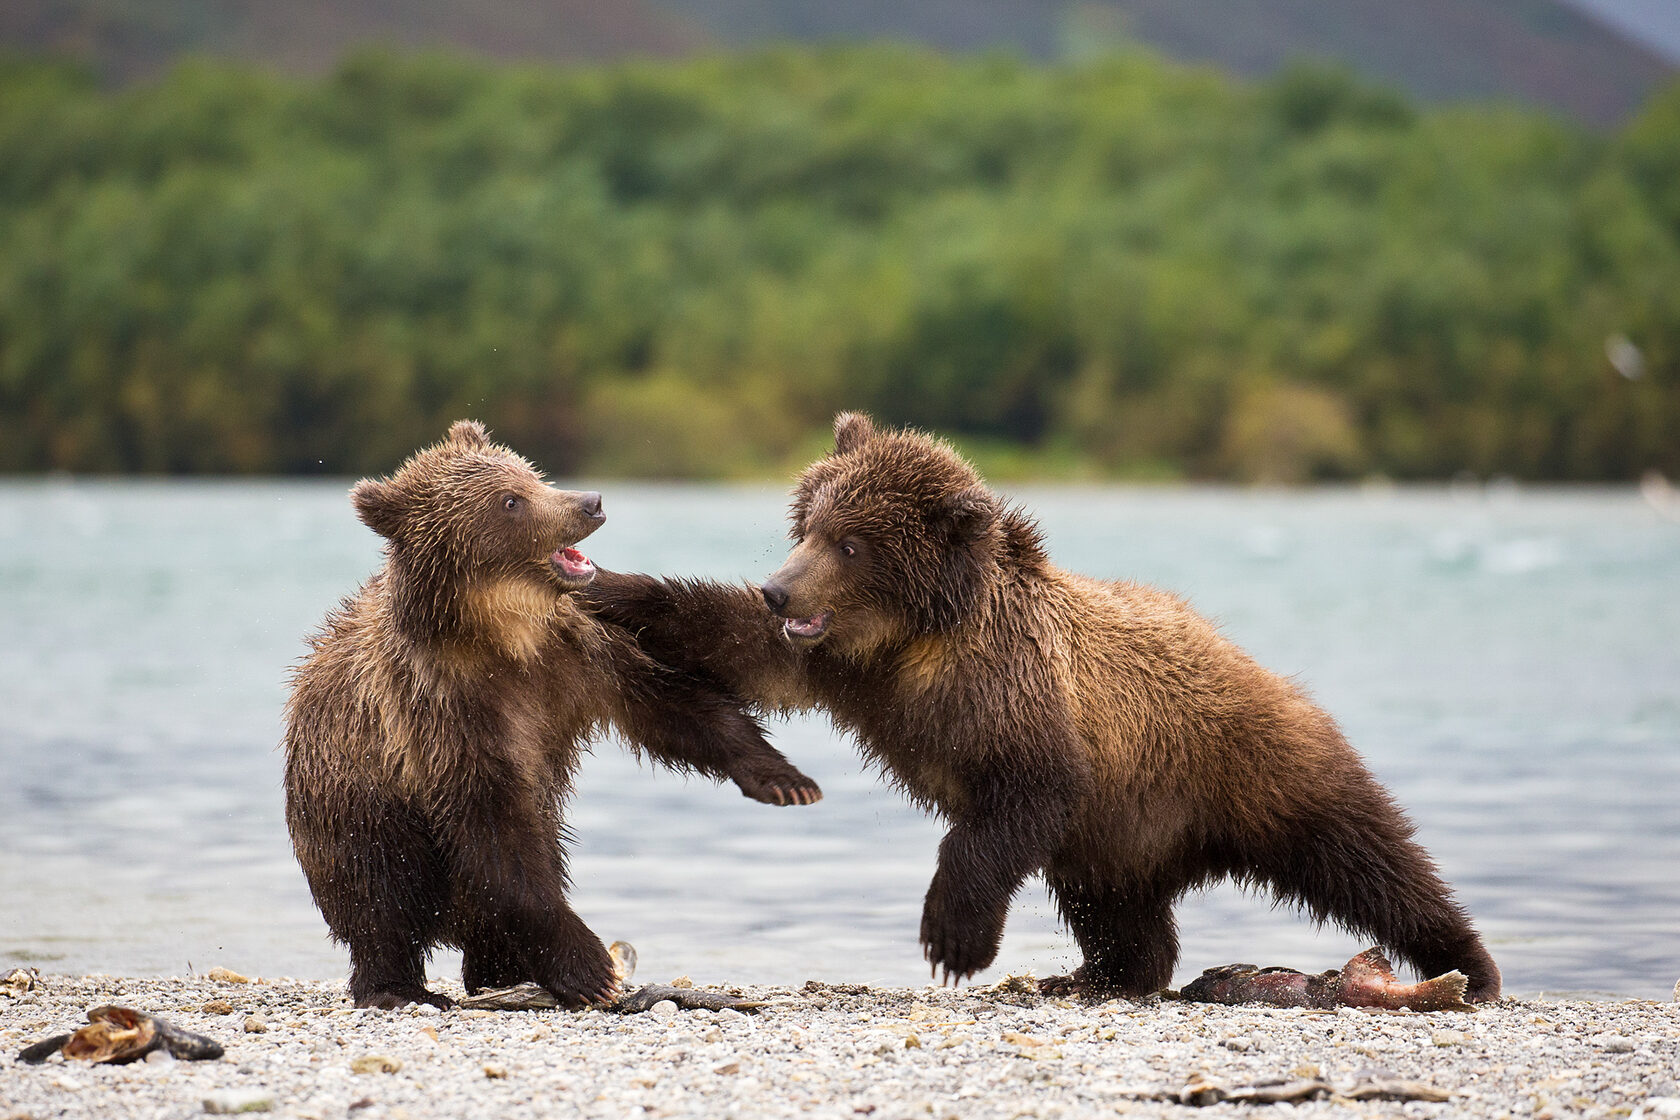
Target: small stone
x=217 y=1007
x=226 y=976
x=495 y=1072
x=664 y=1009
x=255 y=1024
x=375 y=1063
x=1657 y=1108
x=1240 y=1043
x=1449 y=1038
x=1614 y=1043
x=682 y=982
x=160 y=1057
x=728 y=1069
x=227 y=1102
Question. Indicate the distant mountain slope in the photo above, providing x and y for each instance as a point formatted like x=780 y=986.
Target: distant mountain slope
x=128 y=39
x=1534 y=51
x=1539 y=52
x=1656 y=23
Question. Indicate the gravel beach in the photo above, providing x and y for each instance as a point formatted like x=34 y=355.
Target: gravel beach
x=295 y=1048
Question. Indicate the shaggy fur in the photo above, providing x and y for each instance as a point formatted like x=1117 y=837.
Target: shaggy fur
x=433 y=732
x=1099 y=733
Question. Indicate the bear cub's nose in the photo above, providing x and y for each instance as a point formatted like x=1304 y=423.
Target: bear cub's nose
x=591 y=500
x=775 y=597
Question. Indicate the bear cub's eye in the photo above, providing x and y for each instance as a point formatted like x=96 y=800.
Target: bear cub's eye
x=510 y=502
x=847 y=548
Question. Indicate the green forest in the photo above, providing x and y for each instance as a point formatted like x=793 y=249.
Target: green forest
x=1117 y=268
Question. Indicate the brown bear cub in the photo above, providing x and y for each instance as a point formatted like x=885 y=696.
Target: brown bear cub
x=1099 y=733
x=435 y=728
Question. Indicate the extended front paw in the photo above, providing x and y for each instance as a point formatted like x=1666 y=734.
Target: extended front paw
x=959 y=939
x=782 y=785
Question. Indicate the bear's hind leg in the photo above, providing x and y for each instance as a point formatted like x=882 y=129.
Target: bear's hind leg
x=1128 y=937
x=1356 y=864
x=379 y=883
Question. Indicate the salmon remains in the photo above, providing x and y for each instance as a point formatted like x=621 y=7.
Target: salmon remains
x=1365 y=981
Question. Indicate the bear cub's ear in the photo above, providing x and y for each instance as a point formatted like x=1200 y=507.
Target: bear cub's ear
x=851 y=431
x=971 y=513
x=380 y=505
x=469 y=433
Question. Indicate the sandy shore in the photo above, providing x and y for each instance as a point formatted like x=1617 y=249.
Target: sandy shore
x=295 y=1048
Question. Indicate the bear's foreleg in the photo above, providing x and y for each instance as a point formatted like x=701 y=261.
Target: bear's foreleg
x=688 y=726
x=721 y=633
x=1354 y=863
x=1128 y=937
x=1006 y=832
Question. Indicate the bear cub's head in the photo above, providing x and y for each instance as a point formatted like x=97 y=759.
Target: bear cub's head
x=468 y=508
x=895 y=537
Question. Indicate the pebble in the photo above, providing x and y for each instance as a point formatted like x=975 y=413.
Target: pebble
x=1658 y=1108
x=1614 y=1043
x=375 y=1063
x=228 y=1102
x=255 y=1024
x=217 y=1007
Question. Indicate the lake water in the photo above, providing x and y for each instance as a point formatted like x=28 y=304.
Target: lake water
x=1508 y=661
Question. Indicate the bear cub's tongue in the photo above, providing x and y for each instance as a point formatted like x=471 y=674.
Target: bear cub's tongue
x=572 y=563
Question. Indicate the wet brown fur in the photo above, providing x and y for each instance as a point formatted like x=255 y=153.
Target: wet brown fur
x=433 y=732
x=1099 y=733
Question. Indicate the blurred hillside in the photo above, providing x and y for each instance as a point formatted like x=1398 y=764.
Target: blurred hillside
x=1117 y=267
x=1545 y=53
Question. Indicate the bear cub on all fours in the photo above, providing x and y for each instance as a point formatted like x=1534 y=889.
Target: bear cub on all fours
x=1099 y=733
x=433 y=732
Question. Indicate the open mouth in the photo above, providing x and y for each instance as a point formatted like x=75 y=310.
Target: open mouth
x=807 y=629
x=573 y=566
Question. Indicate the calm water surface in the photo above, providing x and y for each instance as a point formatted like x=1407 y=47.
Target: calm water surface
x=1508 y=663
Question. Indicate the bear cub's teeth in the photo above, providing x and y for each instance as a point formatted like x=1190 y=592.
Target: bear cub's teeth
x=573 y=564
x=812 y=627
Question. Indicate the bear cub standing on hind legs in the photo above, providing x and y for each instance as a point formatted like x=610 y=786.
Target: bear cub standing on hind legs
x=433 y=732
x=1099 y=733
